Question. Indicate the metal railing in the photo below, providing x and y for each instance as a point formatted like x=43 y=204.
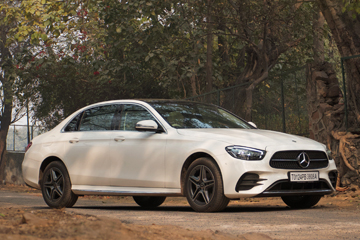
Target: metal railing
x=279 y=103
x=344 y=87
x=19 y=136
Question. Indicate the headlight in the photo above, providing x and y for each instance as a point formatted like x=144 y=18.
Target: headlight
x=328 y=153
x=245 y=153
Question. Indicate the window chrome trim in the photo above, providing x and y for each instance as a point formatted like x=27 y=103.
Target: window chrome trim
x=113 y=103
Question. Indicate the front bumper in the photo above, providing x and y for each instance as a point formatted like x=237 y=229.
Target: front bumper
x=258 y=179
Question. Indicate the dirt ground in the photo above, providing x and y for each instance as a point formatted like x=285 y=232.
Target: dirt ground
x=28 y=223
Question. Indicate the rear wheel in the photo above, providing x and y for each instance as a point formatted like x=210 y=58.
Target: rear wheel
x=204 y=187
x=56 y=186
x=149 y=202
x=306 y=201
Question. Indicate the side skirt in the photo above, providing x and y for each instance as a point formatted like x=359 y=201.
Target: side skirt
x=124 y=191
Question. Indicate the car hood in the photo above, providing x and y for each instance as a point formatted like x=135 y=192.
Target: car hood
x=255 y=138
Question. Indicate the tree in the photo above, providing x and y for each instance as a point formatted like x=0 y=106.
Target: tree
x=327 y=114
x=343 y=26
x=7 y=89
x=6 y=81
x=21 y=23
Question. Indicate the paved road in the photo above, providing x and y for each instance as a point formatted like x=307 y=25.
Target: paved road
x=271 y=218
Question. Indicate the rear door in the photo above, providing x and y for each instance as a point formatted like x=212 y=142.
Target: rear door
x=87 y=144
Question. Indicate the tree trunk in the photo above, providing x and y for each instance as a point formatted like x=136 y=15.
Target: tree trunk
x=318 y=28
x=346 y=32
x=209 y=51
x=5 y=123
x=193 y=84
x=326 y=121
x=7 y=98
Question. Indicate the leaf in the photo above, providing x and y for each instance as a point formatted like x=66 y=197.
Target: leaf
x=118 y=30
x=56 y=33
x=2 y=215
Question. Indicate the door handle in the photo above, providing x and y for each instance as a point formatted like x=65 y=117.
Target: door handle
x=75 y=140
x=119 y=139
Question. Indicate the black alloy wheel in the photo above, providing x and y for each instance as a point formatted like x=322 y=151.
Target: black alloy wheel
x=204 y=187
x=56 y=186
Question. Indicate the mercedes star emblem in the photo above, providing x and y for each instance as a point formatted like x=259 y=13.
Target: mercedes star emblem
x=303 y=160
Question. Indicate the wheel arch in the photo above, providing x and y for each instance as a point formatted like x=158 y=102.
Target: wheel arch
x=45 y=163
x=190 y=160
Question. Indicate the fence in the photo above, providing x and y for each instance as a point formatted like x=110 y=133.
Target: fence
x=279 y=103
x=343 y=59
x=18 y=136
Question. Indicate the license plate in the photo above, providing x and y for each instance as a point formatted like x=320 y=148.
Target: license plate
x=304 y=176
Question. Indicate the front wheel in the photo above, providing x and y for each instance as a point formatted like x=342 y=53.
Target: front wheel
x=299 y=202
x=56 y=186
x=149 y=202
x=204 y=187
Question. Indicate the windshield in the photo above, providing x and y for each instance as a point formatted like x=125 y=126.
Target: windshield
x=196 y=115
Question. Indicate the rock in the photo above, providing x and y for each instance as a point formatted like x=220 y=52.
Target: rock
x=32 y=219
x=319 y=75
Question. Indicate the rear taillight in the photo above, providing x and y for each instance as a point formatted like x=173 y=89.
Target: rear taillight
x=28 y=146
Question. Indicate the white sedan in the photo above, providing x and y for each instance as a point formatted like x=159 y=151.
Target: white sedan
x=152 y=149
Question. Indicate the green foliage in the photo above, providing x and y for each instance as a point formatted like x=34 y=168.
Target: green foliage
x=80 y=52
x=351 y=6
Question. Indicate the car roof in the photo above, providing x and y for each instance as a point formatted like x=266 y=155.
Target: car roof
x=183 y=101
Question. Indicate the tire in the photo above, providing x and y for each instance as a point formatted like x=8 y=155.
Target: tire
x=301 y=202
x=204 y=186
x=56 y=186
x=149 y=202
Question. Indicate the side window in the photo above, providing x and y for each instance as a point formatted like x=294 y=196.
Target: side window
x=132 y=114
x=73 y=125
x=99 y=118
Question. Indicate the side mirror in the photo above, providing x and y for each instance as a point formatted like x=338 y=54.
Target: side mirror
x=252 y=124
x=147 y=125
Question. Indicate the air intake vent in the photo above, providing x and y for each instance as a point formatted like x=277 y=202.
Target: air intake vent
x=286 y=188
x=333 y=178
x=248 y=181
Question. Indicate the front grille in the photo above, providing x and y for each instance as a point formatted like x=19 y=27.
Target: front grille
x=284 y=187
x=288 y=160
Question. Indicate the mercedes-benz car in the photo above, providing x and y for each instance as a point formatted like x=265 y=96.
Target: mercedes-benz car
x=152 y=149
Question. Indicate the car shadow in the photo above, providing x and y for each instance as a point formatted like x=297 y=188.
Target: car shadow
x=187 y=208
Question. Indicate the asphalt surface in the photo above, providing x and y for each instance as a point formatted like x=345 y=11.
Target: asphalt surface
x=270 y=217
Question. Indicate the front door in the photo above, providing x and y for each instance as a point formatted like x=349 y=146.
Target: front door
x=137 y=158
